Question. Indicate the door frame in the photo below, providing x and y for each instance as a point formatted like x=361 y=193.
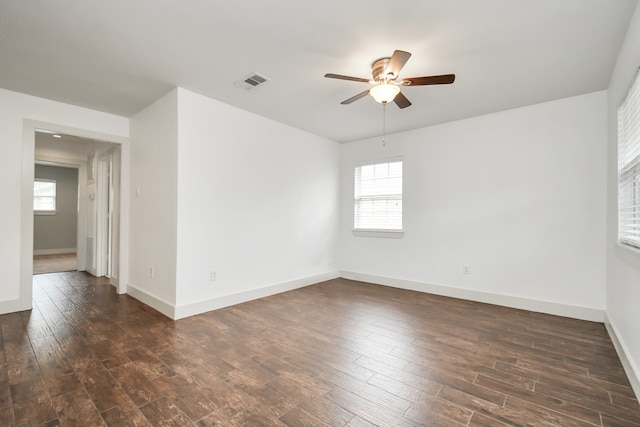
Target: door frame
x=26 y=230
x=81 y=233
x=104 y=213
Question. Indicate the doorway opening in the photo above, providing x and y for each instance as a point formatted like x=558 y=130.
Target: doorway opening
x=55 y=217
x=102 y=196
x=82 y=213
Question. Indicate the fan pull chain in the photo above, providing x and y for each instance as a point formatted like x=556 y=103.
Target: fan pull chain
x=384 y=124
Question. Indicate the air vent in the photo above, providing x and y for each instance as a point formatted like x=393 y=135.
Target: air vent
x=251 y=81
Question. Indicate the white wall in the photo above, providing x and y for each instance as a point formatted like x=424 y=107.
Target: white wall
x=257 y=204
x=623 y=263
x=153 y=203
x=16 y=167
x=517 y=196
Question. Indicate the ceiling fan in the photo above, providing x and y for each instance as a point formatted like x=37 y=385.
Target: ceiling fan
x=385 y=73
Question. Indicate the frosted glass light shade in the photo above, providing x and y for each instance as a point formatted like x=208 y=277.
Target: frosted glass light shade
x=384 y=92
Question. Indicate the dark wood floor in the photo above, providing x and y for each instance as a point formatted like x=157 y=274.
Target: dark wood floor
x=334 y=354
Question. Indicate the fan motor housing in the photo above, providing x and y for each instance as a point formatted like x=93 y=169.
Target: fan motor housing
x=378 y=67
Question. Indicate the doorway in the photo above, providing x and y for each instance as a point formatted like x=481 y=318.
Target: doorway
x=55 y=217
x=118 y=240
x=96 y=198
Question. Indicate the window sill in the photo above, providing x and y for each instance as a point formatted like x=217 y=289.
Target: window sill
x=45 y=212
x=629 y=247
x=629 y=254
x=387 y=234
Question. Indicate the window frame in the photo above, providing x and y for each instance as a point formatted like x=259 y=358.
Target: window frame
x=53 y=211
x=378 y=232
x=628 y=145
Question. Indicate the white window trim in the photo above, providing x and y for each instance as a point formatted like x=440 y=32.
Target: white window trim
x=389 y=234
x=47 y=212
x=628 y=146
x=384 y=233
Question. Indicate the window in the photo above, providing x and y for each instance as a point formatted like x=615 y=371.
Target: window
x=378 y=197
x=44 y=196
x=629 y=167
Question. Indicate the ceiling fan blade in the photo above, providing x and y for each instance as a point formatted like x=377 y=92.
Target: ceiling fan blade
x=355 y=98
x=397 y=61
x=401 y=100
x=445 y=79
x=341 y=77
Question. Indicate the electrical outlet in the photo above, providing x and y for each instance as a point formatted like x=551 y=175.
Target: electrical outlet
x=151 y=272
x=465 y=269
x=214 y=276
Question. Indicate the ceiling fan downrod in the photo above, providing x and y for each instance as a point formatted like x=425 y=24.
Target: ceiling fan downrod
x=384 y=124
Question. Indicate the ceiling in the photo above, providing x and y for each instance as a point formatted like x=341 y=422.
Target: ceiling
x=65 y=150
x=69 y=145
x=119 y=56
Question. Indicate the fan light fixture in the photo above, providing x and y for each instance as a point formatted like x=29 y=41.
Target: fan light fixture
x=384 y=92
x=385 y=72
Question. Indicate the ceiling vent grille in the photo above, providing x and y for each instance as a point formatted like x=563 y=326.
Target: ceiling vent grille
x=251 y=81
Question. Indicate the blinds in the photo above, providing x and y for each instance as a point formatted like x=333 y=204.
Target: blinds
x=378 y=196
x=629 y=167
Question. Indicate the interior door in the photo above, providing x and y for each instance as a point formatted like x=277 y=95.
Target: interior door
x=104 y=215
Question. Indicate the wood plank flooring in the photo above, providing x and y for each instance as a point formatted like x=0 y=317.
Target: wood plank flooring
x=340 y=353
x=54 y=263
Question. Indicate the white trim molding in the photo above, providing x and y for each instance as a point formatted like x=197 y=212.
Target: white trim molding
x=388 y=234
x=152 y=301
x=13 y=306
x=198 y=307
x=547 y=307
x=54 y=251
x=629 y=365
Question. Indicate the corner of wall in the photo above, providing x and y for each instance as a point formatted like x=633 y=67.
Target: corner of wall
x=176 y=312
x=152 y=301
x=630 y=368
x=199 y=307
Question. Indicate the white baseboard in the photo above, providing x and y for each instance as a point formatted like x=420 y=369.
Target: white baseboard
x=629 y=365
x=115 y=282
x=565 y=310
x=192 y=309
x=13 y=305
x=186 y=310
x=54 y=251
x=152 y=301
